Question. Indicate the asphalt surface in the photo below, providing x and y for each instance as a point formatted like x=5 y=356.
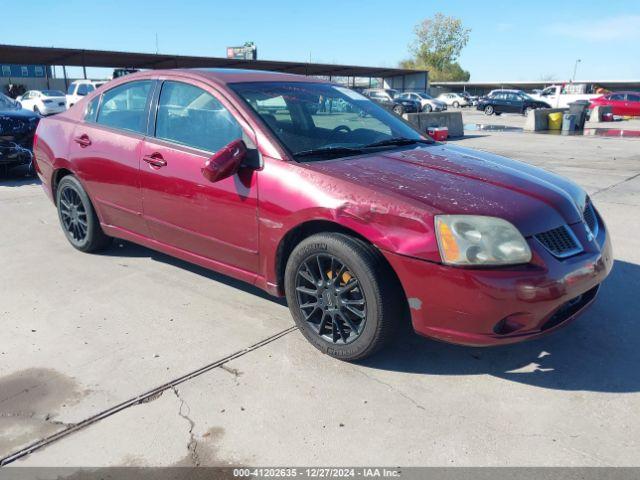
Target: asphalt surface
x=133 y=358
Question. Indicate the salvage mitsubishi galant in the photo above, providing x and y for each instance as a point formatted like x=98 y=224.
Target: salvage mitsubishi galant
x=310 y=190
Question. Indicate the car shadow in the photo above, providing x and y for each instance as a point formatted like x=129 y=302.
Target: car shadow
x=599 y=352
x=122 y=248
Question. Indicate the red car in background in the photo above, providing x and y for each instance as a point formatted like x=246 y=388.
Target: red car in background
x=353 y=215
x=621 y=103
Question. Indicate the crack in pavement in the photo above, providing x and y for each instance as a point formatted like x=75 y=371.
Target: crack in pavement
x=192 y=446
x=611 y=187
x=391 y=387
x=142 y=398
x=34 y=416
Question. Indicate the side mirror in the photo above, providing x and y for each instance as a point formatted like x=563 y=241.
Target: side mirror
x=225 y=162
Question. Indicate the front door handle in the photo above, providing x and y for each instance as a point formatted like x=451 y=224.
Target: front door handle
x=155 y=160
x=83 y=140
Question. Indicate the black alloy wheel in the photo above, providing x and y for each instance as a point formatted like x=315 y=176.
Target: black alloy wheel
x=73 y=215
x=343 y=295
x=331 y=299
x=78 y=218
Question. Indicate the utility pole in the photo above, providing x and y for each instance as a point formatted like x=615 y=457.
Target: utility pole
x=156 y=43
x=575 y=68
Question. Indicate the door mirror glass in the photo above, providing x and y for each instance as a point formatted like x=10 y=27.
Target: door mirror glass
x=225 y=162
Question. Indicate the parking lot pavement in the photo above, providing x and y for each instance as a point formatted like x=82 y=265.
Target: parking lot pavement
x=83 y=333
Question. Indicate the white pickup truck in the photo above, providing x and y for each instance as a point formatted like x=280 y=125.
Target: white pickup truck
x=560 y=96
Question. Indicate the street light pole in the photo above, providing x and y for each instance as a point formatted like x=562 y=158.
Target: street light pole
x=575 y=69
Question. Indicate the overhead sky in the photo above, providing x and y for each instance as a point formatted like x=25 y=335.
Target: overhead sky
x=510 y=40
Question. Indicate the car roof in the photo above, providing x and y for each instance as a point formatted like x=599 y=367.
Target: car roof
x=226 y=75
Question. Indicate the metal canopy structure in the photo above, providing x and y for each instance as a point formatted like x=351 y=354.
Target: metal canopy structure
x=101 y=58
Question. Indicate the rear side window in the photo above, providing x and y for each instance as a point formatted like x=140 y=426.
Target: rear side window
x=125 y=106
x=633 y=97
x=92 y=109
x=617 y=97
x=190 y=116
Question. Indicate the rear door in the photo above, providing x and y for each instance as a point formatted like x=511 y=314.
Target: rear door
x=499 y=102
x=216 y=220
x=106 y=150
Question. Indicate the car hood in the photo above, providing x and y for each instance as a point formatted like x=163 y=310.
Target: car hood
x=20 y=113
x=446 y=179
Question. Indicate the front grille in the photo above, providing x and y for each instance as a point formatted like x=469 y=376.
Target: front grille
x=560 y=242
x=590 y=218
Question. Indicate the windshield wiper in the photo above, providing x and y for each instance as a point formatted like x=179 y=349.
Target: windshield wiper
x=396 y=141
x=328 y=151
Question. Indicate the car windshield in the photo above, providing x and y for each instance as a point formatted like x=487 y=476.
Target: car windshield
x=52 y=93
x=6 y=102
x=316 y=121
x=424 y=95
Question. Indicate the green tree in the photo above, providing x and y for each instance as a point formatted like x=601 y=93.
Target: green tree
x=437 y=46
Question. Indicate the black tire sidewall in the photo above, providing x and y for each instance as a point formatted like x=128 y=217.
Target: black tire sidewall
x=398 y=110
x=350 y=252
x=489 y=110
x=427 y=108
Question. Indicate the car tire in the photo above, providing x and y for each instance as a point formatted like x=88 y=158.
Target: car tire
x=398 y=110
x=315 y=290
x=427 y=108
x=455 y=104
x=36 y=110
x=528 y=110
x=78 y=218
x=489 y=110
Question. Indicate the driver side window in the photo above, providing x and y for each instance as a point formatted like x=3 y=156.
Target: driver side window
x=190 y=116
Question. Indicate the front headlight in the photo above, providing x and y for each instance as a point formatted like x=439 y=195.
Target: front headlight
x=477 y=240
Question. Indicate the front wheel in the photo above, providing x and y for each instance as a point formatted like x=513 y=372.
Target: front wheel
x=342 y=295
x=527 y=111
x=398 y=109
x=426 y=108
x=488 y=110
x=78 y=218
x=456 y=104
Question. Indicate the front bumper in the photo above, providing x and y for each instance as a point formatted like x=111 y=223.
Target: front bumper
x=483 y=307
x=12 y=154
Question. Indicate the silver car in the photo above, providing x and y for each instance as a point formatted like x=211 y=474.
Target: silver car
x=427 y=102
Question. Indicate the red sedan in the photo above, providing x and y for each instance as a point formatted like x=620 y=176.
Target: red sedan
x=621 y=103
x=357 y=218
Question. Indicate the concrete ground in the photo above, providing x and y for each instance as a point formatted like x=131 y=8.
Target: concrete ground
x=83 y=336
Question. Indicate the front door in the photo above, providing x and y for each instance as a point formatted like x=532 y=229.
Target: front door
x=106 y=149
x=216 y=220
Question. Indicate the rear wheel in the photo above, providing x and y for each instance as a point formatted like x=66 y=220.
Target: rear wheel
x=343 y=296
x=527 y=111
x=78 y=218
x=488 y=110
x=456 y=104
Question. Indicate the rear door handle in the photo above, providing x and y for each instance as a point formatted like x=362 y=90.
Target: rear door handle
x=155 y=160
x=83 y=140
